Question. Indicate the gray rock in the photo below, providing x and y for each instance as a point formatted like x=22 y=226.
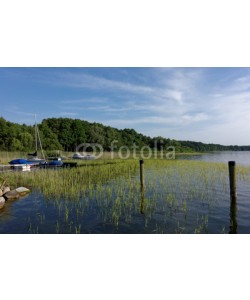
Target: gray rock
x=11 y=195
x=2 y=202
x=6 y=189
x=23 y=191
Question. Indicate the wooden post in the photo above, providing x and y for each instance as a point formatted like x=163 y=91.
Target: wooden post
x=233 y=197
x=142 y=173
x=233 y=215
x=232 y=178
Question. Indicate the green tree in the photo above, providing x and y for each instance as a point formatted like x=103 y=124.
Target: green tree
x=16 y=145
x=49 y=138
x=96 y=134
x=27 y=141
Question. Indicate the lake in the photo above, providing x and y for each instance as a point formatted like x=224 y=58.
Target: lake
x=241 y=157
x=188 y=195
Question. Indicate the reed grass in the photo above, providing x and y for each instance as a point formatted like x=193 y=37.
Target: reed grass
x=6 y=156
x=175 y=192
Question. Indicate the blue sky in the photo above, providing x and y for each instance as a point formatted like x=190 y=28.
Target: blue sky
x=211 y=105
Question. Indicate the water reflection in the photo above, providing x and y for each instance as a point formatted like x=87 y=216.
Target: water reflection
x=233 y=214
x=142 y=201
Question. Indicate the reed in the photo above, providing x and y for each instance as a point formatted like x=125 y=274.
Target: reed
x=6 y=156
x=179 y=195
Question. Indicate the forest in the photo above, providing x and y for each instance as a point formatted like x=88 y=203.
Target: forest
x=66 y=134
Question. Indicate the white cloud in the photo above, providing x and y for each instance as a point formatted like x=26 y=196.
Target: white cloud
x=150 y=91
x=94 y=82
x=241 y=84
x=182 y=120
x=195 y=103
x=195 y=118
x=85 y=100
x=219 y=116
x=68 y=114
x=173 y=101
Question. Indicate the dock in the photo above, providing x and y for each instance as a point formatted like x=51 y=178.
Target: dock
x=4 y=168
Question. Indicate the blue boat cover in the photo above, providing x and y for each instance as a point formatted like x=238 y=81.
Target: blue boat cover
x=55 y=163
x=19 y=161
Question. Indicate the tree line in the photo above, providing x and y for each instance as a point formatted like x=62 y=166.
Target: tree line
x=66 y=134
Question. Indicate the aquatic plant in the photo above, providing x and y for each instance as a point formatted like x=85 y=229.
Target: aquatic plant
x=179 y=196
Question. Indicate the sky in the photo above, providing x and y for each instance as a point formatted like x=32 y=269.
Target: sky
x=210 y=105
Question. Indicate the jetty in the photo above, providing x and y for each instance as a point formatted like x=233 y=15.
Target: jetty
x=4 y=168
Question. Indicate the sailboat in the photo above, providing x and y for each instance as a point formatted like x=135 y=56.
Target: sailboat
x=33 y=157
x=20 y=164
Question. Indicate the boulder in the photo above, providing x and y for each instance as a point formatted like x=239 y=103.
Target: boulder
x=2 y=202
x=6 y=189
x=22 y=191
x=11 y=195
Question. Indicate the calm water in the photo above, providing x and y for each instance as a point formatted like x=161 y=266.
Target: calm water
x=170 y=204
x=241 y=157
x=243 y=190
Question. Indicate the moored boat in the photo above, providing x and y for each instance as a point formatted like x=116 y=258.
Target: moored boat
x=84 y=157
x=21 y=167
x=56 y=162
x=36 y=160
x=33 y=157
x=20 y=164
x=20 y=161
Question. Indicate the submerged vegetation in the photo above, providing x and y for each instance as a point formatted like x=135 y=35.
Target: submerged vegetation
x=105 y=196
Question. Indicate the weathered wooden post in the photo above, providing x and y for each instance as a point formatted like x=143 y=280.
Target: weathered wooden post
x=232 y=178
x=142 y=173
x=233 y=197
x=233 y=215
x=142 y=202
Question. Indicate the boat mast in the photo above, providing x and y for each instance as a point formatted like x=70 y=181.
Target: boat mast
x=38 y=139
x=36 y=134
x=40 y=143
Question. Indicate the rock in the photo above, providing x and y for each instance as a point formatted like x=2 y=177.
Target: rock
x=1 y=193
x=6 y=189
x=22 y=191
x=2 y=202
x=11 y=195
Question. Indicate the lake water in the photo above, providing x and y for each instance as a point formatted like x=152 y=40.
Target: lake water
x=171 y=203
x=240 y=157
